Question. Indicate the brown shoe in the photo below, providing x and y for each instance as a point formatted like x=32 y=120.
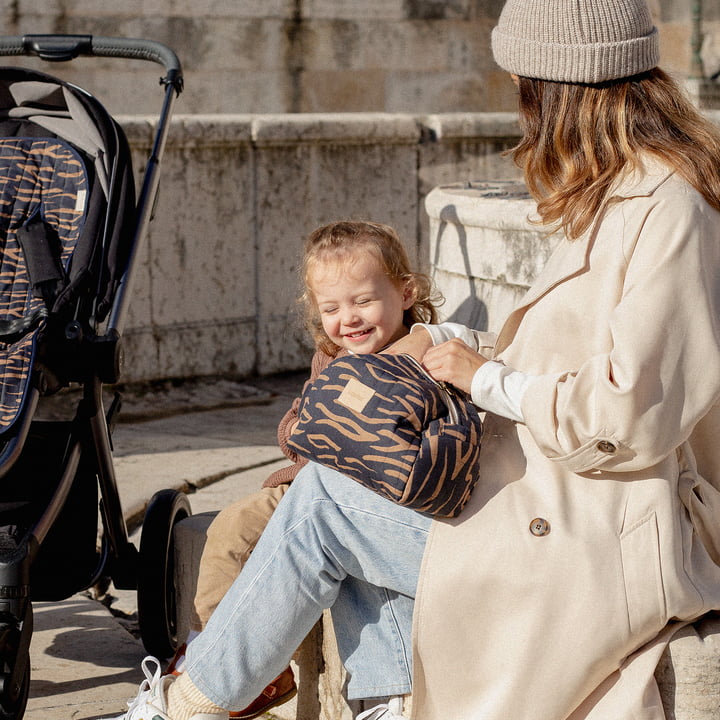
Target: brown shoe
x=177 y=657
x=280 y=690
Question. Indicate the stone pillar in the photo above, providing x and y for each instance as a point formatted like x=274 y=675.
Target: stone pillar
x=484 y=250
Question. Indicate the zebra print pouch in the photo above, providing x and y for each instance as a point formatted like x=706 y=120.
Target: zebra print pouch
x=383 y=421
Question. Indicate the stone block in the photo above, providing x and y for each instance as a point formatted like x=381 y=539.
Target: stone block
x=479 y=304
x=462 y=147
x=331 y=90
x=93 y=9
x=407 y=89
x=220 y=8
x=36 y=8
x=484 y=251
x=250 y=45
x=265 y=90
x=354 y=9
x=481 y=230
x=189 y=538
x=689 y=672
x=305 y=167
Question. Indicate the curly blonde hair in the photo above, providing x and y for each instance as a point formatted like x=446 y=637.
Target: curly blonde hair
x=339 y=240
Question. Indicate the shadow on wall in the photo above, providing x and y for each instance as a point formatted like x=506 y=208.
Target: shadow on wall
x=472 y=312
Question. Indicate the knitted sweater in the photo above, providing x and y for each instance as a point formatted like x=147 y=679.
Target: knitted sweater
x=287 y=474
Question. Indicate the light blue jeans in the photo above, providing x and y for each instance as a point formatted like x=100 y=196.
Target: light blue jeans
x=329 y=544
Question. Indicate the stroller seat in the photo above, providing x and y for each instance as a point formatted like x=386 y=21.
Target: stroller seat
x=43 y=200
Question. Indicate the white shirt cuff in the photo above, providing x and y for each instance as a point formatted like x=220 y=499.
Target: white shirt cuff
x=500 y=389
x=447 y=331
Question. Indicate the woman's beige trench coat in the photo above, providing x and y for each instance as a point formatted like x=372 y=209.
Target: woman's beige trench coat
x=597 y=523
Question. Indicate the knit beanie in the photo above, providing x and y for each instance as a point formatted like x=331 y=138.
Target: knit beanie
x=576 y=41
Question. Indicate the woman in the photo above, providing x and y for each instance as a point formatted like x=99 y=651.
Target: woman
x=594 y=530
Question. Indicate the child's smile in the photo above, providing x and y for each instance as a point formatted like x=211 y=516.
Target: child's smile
x=360 y=308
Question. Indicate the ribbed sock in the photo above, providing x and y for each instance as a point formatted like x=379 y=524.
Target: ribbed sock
x=184 y=700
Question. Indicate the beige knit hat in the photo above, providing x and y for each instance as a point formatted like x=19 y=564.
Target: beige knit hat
x=576 y=41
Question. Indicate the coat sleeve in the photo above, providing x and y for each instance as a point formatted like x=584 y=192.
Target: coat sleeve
x=628 y=409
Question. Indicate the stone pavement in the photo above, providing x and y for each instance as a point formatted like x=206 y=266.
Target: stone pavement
x=215 y=441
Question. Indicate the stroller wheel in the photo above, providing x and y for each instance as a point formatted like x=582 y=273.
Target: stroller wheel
x=156 y=595
x=15 y=709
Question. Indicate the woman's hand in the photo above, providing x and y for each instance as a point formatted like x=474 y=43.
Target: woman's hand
x=453 y=362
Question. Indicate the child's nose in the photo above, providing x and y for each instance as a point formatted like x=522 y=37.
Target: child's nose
x=349 y=315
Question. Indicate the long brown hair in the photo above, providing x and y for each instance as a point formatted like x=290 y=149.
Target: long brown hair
x=577 y=139
x=339 y=241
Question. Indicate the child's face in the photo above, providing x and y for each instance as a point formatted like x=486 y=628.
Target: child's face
x=361 y=309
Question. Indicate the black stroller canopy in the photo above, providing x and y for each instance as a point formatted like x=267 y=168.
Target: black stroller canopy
x=67 y=210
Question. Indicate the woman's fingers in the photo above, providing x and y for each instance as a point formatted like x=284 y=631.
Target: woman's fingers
x=453 y=362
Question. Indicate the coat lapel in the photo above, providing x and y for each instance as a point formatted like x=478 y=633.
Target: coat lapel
x=568 y=260
x=572 y=257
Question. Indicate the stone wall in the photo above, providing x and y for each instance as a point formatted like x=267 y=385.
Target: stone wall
x=276 y=56
x=217 y=283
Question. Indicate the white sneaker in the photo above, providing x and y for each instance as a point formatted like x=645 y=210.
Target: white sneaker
x=150 y=703
x=389 y=711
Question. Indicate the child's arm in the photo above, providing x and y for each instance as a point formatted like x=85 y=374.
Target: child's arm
x=287 y=474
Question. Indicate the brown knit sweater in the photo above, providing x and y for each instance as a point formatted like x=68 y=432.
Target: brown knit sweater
x=287 y=474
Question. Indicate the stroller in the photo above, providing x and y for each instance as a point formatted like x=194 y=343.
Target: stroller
x=70 y=230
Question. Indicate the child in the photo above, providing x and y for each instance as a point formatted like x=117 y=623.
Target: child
x=360 y=296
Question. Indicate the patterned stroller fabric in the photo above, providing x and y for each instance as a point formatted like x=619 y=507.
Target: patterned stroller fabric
x=44 y=186
x=67 y=205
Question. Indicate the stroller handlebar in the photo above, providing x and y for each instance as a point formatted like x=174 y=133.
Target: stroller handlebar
x=59 y=48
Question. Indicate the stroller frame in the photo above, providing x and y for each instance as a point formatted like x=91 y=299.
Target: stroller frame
x=93 y=357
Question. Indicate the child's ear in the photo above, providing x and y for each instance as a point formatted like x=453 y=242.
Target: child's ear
x=409 y=295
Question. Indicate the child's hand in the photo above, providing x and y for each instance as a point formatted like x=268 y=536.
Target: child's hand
x=453 y=362
x=414 y=343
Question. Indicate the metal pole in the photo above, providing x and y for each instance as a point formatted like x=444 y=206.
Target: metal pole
x=696 y=63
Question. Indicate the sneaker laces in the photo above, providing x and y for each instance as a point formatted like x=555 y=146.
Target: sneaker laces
x=147 y=685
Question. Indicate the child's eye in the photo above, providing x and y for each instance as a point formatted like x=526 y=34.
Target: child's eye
x=328 y=310
x=363 y=301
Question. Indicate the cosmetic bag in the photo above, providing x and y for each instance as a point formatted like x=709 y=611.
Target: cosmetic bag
x=383 y=421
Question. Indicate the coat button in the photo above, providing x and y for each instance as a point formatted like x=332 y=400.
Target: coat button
x=539 y=527
x=605 y=446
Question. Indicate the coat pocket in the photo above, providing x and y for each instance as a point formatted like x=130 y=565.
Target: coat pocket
x=640 y=550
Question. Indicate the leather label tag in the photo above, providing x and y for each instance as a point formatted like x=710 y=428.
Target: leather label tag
x=356 y=395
